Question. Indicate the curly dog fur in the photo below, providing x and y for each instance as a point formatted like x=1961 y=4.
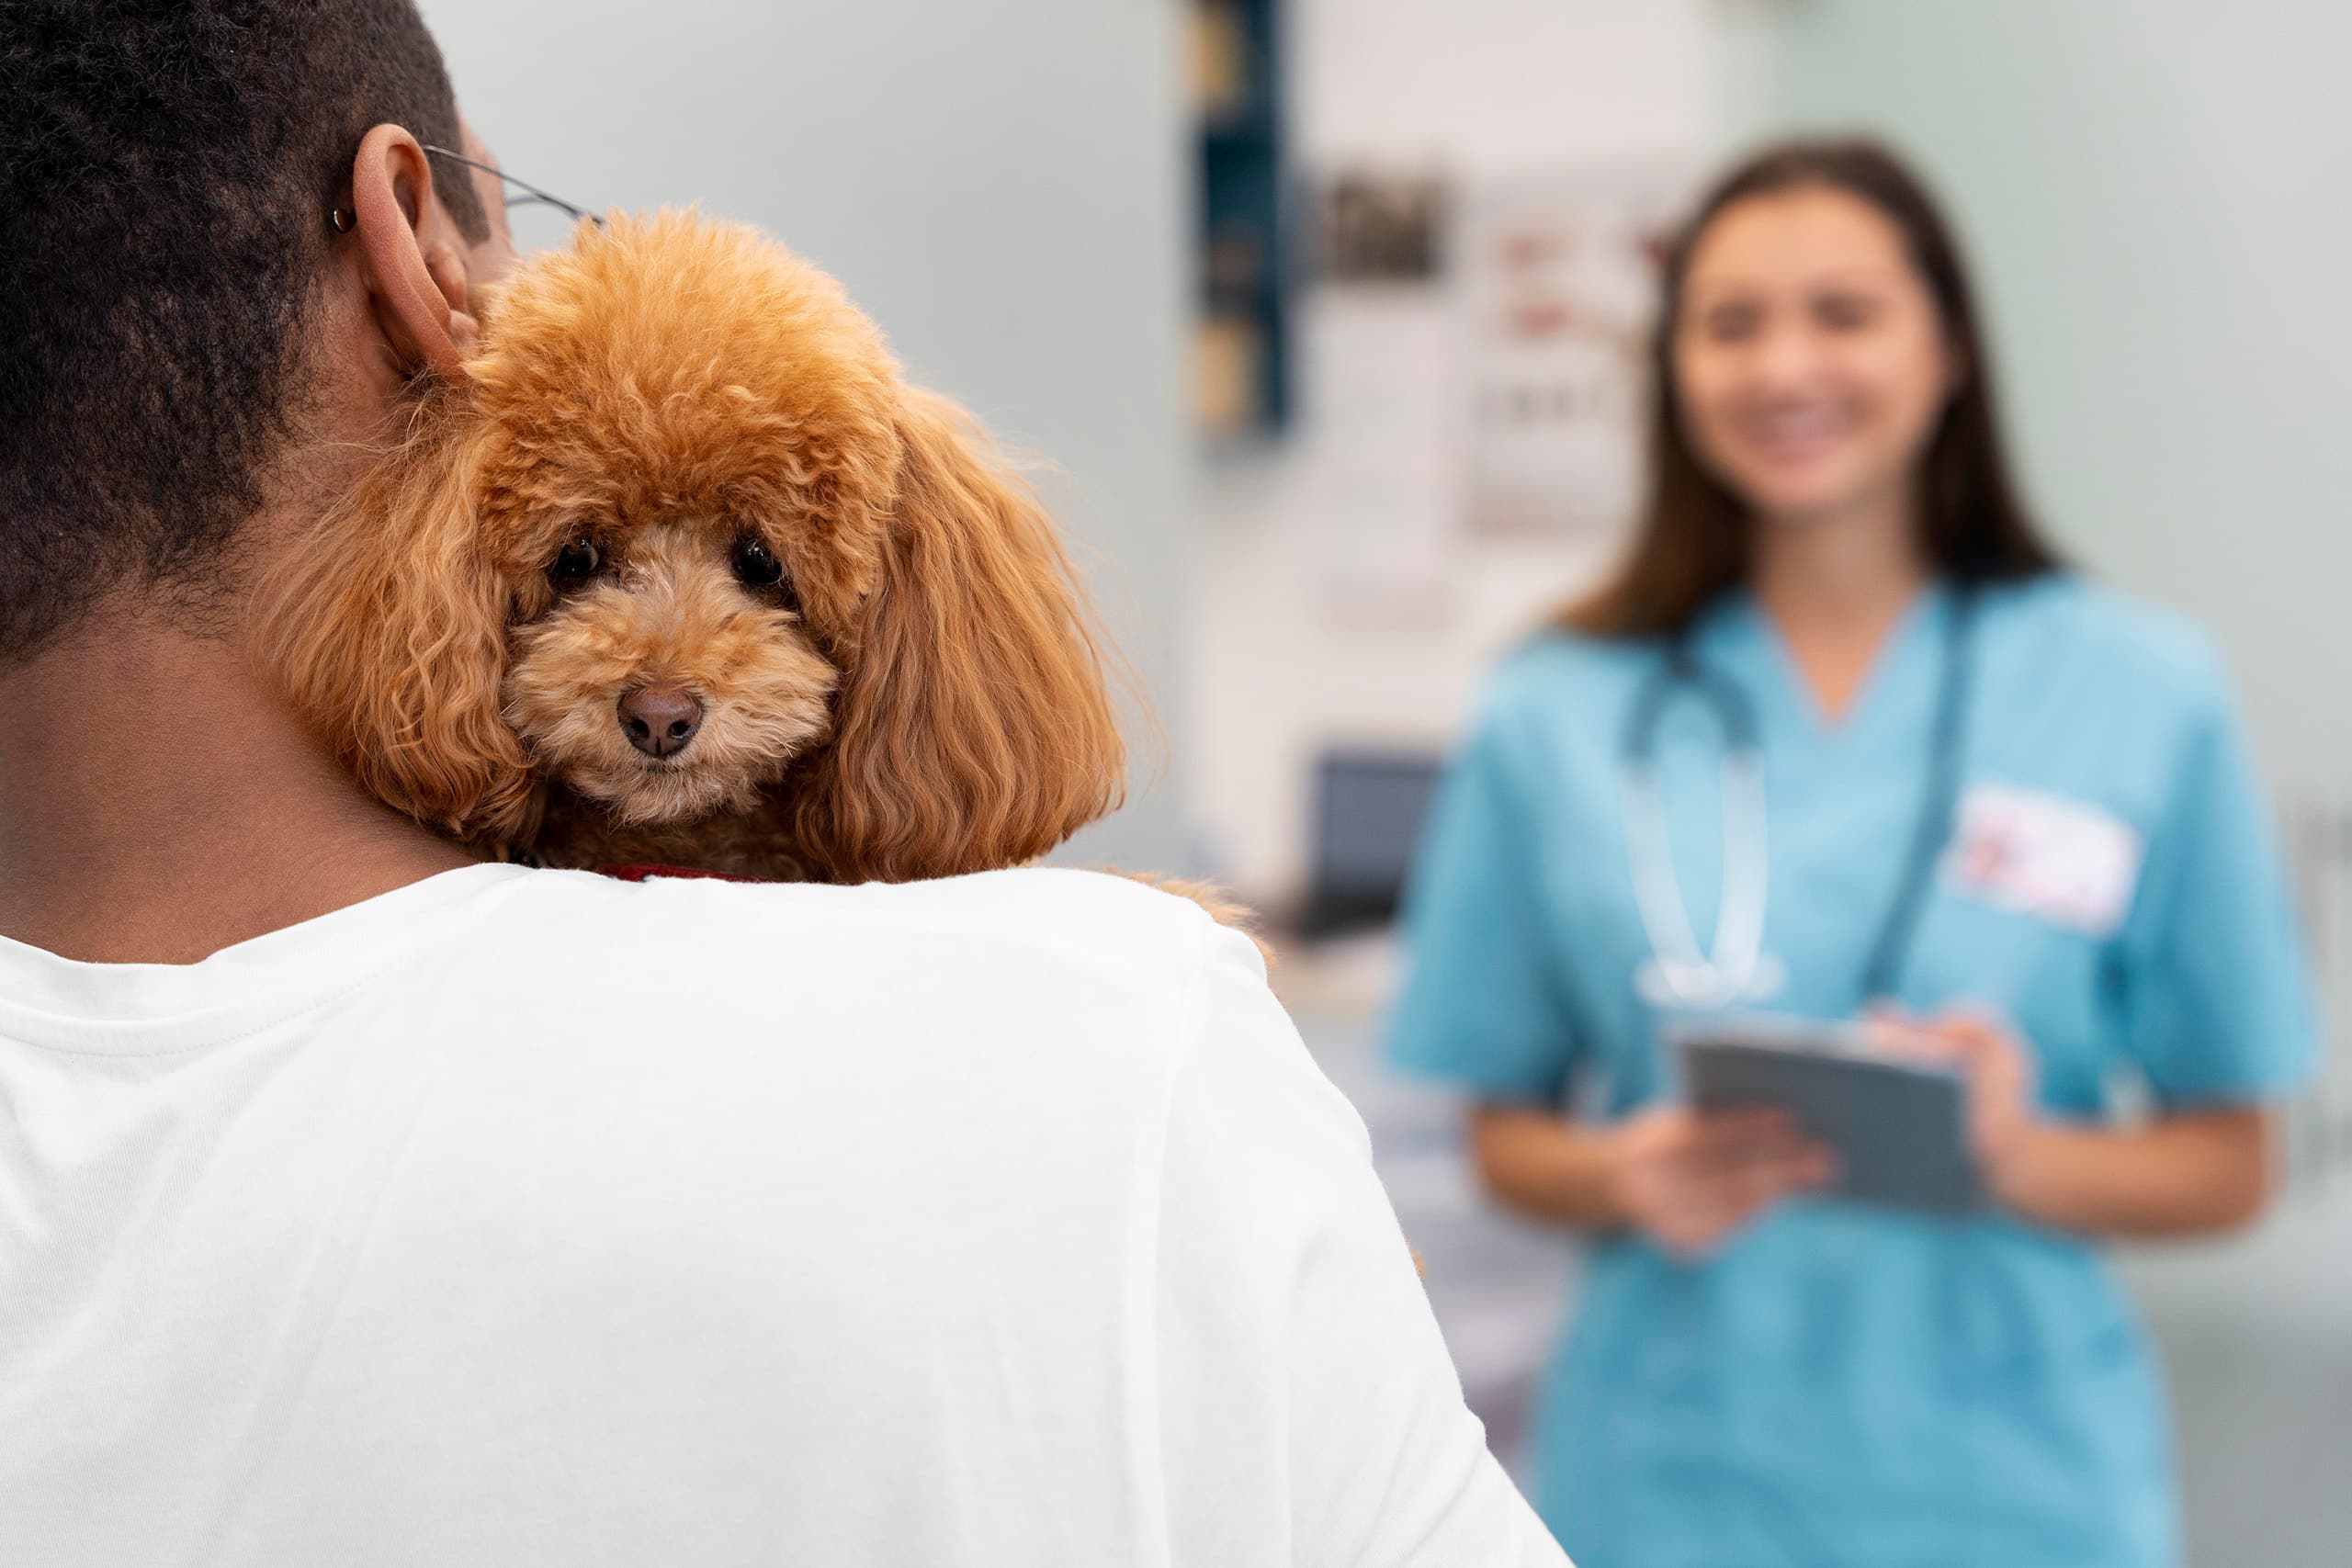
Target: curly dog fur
x=655 y=418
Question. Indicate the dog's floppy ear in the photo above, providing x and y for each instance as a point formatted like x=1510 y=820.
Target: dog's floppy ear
x=388 y=627
x=975 y=729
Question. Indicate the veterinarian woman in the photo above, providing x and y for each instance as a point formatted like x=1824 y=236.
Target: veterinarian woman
x=1987 y=797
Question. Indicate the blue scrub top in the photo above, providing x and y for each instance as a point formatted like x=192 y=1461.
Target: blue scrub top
x=1841 y=1384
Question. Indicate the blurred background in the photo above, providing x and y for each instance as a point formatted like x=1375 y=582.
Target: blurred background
x=1326 y=316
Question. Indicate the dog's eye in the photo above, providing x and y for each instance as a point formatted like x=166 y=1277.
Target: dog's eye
x=575 y=563
x=755 y=564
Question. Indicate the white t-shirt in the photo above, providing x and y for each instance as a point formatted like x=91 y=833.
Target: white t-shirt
x=526 y=1218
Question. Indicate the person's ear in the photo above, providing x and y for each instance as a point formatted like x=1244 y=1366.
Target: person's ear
x=416 y=278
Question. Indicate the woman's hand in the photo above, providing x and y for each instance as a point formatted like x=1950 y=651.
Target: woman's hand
x=1690 y=1180
x=2183 y=1173
x=1999 y=1072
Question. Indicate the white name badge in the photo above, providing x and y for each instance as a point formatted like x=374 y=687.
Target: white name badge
x=2062 y=861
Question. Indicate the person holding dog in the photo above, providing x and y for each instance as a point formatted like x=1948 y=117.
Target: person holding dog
x=360 y=1203
x=2000 y=807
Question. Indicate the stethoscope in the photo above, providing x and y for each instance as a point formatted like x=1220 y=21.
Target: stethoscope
x=1736 y=970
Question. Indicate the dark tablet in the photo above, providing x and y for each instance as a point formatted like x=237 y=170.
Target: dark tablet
x=1899 y=1129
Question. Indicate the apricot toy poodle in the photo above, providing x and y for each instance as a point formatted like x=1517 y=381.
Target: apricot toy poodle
x=682 y=570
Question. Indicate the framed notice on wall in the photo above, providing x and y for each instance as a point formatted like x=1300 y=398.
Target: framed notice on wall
x=1560 y=281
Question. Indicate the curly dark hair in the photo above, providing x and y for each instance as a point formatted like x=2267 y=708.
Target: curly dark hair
x=166 y=171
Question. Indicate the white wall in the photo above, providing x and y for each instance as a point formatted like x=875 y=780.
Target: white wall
x=1003 y=185
x=1499 y=85
x=1341 y=603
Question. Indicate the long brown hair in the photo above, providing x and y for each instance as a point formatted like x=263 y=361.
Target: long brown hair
x=1695 y=537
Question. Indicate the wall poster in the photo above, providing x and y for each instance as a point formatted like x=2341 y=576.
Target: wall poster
x=1561 y=285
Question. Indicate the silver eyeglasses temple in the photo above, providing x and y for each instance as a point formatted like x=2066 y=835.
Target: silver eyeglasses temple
x=536 y=193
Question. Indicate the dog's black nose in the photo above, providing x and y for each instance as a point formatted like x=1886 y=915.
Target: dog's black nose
x=659 y=720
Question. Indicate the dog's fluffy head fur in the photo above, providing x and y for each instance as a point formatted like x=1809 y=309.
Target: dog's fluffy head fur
x=683 y=460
